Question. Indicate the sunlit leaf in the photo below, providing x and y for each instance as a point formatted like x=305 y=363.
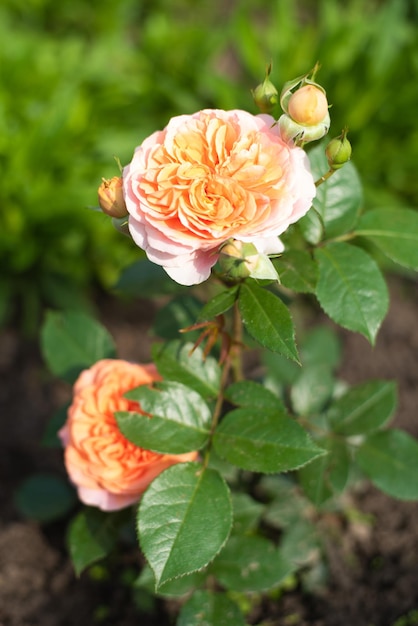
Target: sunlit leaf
x=351 y=288
x=184 y=519
x=180 y=419
x=394 y=231
x=267 y=319
x=264 y=441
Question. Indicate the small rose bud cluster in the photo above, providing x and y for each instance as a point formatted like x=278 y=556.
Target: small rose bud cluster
x=306 y=117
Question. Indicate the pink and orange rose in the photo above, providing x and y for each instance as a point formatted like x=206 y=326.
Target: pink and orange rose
x=109 y=471
x=210 y=177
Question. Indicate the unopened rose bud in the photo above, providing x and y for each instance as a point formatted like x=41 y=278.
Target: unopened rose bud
x=111 y=199
x=338 y=151
x=240 y=260
x=299 y=133
x=266 y=96
x=236 y=258
x=308 y=105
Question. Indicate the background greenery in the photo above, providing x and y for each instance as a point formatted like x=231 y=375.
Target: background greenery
x=83 y=81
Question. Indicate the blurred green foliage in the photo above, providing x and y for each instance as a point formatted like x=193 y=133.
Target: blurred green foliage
x=84 y=81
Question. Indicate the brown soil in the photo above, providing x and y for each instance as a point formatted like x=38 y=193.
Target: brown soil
x=373 y=567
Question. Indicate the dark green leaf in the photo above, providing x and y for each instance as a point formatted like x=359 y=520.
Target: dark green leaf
x=248 y=393
x=92 y=535
x=287 y=504
x=219 y=304
x=247 y=512
x=280 y=369
x=180 y=419
x=267 y=319
x=50 y=437
x=339 y=199
x=179 y=362
x=172 y=589
x=364 y=408
x=45 y=497
x=177 y=314
x=250 y=563
x=390 y=459
x=184 y=519
x=300 y=544
x=321 y=347
x=312 y=389
x=72 y=342
x=145 y=279
x=351 y=288
x=297 y=271
x=395 y=232
x=263 y=441
x=328 y=475
x=206 y=608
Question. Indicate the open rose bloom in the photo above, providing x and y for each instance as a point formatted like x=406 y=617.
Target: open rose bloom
x=109 y=471
x=210 y=177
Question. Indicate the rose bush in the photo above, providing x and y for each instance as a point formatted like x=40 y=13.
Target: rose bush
x=109 y=471
x=209 y=177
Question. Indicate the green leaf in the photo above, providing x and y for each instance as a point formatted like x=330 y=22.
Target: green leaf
x=248 y=393
x=267 y=319
x=311 y=390
x=180 y=419
x=184 y=519
x=145 y=279
x=206 y=608
x=72 y=342
x=177 y=314
x=321 y=347
x=297 y=271
x=300 y=543
x=50 y=437
x=263 y=441
x=219 y=304
x=182 y=363
x=339 y=199
x=364 y=408
x=92 y=535
x=172 y=589
x=287 y=504
x=328 y=475
x=45 y=497
x=280 y=369
x=351 y=288
x=250 y=563
x=390 y=459
x=394 y=231
x=311 y=227
x=247 y=512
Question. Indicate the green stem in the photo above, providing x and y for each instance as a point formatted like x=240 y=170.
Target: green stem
x=234 y=362
x=324 y=177
x=236 y=350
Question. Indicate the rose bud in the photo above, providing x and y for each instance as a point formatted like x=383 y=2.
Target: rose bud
x=308 y=105
x=266 y=96
x=111 y=199
x=338 y=151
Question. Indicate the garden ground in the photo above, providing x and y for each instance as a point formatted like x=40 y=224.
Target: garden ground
x=373 y=558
